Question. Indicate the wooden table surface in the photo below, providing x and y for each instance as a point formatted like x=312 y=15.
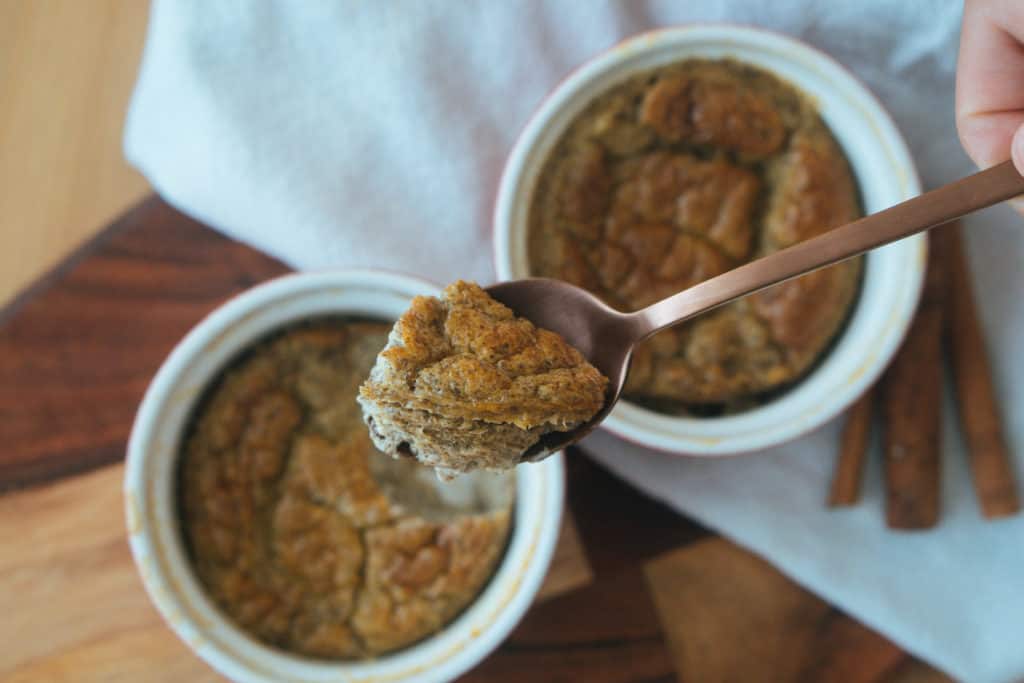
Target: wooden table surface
x=67 y=68
x=663 y=599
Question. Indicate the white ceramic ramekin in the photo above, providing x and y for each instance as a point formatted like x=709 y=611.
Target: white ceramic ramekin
x=885 y=173
x=152 y=517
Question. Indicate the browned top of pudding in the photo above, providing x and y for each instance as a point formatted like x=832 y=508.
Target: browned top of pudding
x=302 y=532
x=680 y=174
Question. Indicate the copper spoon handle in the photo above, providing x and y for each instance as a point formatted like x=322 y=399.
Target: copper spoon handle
x=914 y=215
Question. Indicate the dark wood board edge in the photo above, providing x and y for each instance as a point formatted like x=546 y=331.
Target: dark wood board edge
x=80 y=345
x=91 y=246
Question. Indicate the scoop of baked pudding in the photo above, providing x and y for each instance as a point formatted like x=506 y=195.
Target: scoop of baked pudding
x=464 y=384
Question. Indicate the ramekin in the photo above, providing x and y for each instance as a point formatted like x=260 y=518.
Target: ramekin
x=153 y=523
x=884 y=171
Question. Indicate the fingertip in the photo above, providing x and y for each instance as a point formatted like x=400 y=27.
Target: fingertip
x=1017 y=154
x=1017 y=149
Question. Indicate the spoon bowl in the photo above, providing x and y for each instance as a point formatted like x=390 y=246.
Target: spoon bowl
x=606 y=337
x=603 y=335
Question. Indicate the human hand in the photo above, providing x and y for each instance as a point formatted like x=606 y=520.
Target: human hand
x=990 y=82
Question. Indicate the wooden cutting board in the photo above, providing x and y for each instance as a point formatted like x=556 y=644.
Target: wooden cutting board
x=636 y=591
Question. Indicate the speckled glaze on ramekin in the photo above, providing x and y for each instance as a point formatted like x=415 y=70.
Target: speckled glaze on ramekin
x=885 y=174
x=152 y=517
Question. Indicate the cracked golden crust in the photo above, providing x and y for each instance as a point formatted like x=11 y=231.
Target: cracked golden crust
x=464 y=384
x=416 y=572
x=467 y=356
x=284 y=518
x=713 y=107
x=681 y=174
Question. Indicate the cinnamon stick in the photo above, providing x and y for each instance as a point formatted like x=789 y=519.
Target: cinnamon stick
x=991 y=465
x=912 y=397
x=846 y=480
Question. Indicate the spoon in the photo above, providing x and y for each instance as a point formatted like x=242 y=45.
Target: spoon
x=606 y=337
